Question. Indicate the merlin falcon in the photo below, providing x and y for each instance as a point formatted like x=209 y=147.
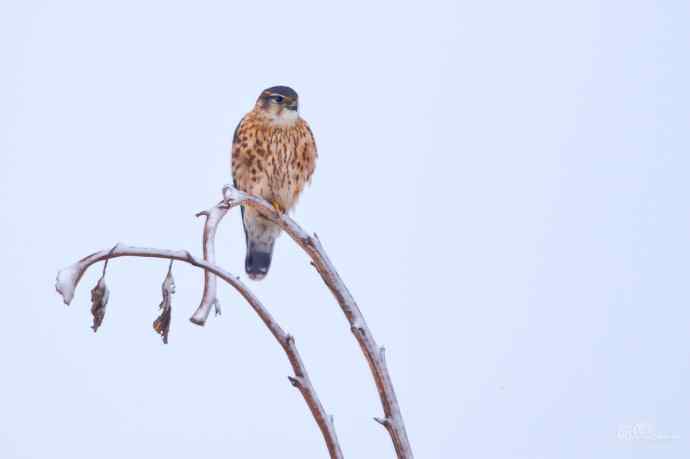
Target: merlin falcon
x=273 y=156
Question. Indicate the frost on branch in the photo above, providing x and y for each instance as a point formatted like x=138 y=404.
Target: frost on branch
x=66 y=282
x=70 y=276
x=209 y=298
x=99 y=300
x=162 y=323
x=232 y=195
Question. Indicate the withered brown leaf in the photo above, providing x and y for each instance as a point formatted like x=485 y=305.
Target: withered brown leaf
x=99 y=300
x=162 y=323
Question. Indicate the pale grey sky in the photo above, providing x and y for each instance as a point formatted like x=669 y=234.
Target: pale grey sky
x=502 y=185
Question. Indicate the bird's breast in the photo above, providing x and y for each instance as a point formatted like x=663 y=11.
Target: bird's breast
x=282 y=149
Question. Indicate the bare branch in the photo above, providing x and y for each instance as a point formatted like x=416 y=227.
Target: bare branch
x=393 y=420
x=209 y=299
x=68 y=278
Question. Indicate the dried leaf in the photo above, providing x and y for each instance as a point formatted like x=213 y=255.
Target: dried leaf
x=99 y=300
x=162 y=324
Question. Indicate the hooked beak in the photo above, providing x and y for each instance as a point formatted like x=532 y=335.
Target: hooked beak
x=292 y=106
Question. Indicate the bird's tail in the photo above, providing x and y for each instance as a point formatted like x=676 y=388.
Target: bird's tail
x=260 y=235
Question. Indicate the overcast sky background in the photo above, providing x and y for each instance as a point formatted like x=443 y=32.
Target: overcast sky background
x=502 y=185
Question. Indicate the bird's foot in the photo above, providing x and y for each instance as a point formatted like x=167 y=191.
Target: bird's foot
x=278 y=208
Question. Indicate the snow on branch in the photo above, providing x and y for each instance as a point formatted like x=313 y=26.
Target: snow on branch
x=69 y=277
x=393 y=421
x=209 y=299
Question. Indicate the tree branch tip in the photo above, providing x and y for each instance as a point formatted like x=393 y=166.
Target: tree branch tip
x=385 y=422
x=59 y=291
x=196 y=321
x=204 y=213
x=66 y=282
x=296 y=381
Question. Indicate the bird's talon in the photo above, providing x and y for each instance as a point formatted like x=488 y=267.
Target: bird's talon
x=278 y=208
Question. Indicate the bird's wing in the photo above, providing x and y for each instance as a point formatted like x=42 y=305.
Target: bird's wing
x=234 y=152
x=235 y=141
x=307 y=152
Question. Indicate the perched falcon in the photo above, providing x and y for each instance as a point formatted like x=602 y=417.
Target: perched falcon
x=273 y=156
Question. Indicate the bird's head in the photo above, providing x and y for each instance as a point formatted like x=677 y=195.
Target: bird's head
x=280 y=104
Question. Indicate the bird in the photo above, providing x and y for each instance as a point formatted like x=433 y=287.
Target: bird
x=273 y=156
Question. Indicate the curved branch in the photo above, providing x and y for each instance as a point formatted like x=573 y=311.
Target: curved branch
x=393 y=421
x=209 y=299
x=68 y=278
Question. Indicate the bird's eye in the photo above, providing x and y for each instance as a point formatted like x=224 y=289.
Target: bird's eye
x=278 y=99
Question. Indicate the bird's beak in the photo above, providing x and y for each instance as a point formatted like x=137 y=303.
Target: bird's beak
x=292 y=106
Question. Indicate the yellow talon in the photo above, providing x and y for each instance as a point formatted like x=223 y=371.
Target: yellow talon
x=277 y=207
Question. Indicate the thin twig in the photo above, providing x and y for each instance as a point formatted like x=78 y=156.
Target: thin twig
x=105 y=265
x=393 y=421
x=68 y=278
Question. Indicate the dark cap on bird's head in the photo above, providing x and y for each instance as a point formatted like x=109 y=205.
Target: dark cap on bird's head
x=282 y=96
